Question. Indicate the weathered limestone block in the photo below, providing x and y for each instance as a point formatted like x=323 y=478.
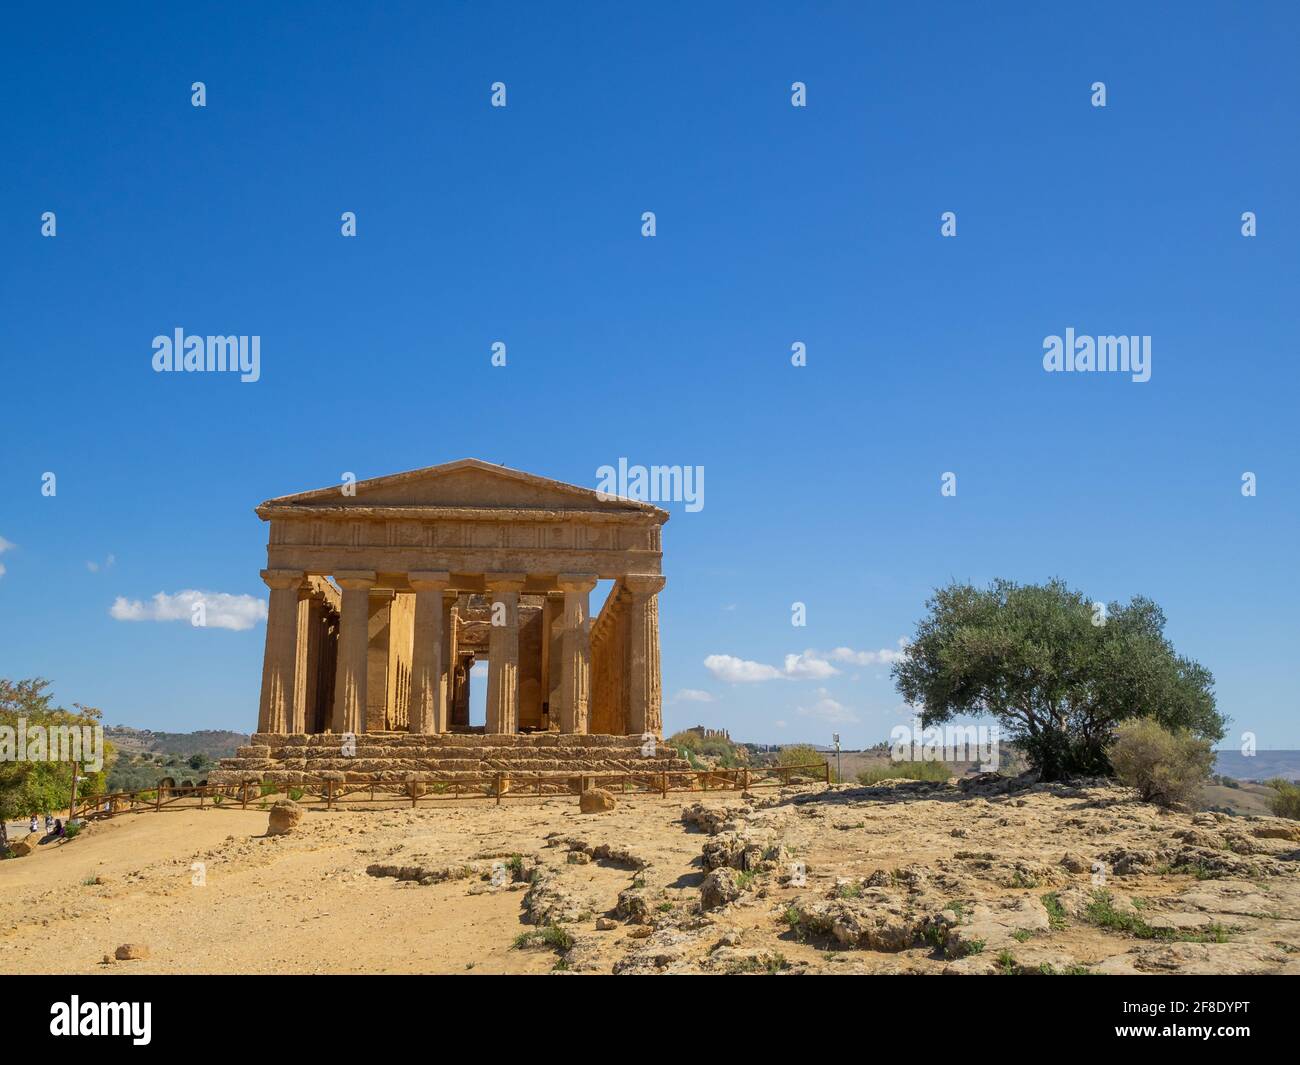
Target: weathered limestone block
x=596 y=800
x=285 y=816
x=25 y=846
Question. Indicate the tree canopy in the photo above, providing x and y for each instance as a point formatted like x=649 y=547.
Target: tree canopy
x=1057 y=673
x=32 y=787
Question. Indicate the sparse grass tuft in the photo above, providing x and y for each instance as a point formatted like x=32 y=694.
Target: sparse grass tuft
x=1055 y=911
x=552 y=935
x=1101 y=912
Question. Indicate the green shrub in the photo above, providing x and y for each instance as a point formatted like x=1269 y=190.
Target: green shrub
x=904 y=771
x=685 y=741
x=295 y=794
x=802 y=754
x=270 y=789
x=71 y=830
x=1166 y=767
x=1285 y=802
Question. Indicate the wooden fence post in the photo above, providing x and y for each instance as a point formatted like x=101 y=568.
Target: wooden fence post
x=498 y=787
x=329 y=794
x=663 y=785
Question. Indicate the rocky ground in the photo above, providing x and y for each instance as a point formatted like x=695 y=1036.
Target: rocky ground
x=989 y=876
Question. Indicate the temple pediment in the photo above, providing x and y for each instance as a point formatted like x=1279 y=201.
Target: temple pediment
x=461 y=485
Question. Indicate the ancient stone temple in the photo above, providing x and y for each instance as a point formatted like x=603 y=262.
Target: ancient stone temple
x=384 y=593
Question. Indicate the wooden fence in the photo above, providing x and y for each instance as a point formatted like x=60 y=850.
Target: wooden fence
x=496 y=786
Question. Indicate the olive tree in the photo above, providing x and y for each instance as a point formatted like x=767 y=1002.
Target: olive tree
x=1055 y=670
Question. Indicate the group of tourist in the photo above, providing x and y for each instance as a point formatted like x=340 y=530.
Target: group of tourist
x=53 y=826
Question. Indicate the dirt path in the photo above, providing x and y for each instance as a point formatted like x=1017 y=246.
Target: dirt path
x=299 y=903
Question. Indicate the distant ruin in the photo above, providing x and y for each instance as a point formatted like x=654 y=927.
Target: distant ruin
x=709 y=733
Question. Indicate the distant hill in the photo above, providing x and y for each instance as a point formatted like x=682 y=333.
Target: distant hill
x=212 y=743
x=143 y=757
x=1262 y=765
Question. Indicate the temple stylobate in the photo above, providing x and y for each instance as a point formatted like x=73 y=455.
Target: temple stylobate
x=384 y=593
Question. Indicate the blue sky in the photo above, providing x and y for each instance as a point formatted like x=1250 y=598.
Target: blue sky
x=775 y=224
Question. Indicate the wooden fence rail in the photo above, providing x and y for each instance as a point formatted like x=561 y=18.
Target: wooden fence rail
x=496 y=786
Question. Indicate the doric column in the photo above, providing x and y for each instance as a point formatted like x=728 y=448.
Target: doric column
x=428 y=709
x=503 y=652
x=281 y=657
x=311 y=608
x=552 y=656
x=575 y=653
x=354 y=642
x=645 y=697
x=449 y=657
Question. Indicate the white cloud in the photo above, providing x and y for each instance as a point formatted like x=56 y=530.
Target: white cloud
x=828 y=709
x=109 y=562
x=6 y=545
x=2 y=569
x=779 y=724
x=810 y=665
x=692 y=695
x=739 y=670
x=884 y=656
x=224 y=611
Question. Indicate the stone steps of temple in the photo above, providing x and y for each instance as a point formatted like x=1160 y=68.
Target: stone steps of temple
x=394 y=757
x=466 y=754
